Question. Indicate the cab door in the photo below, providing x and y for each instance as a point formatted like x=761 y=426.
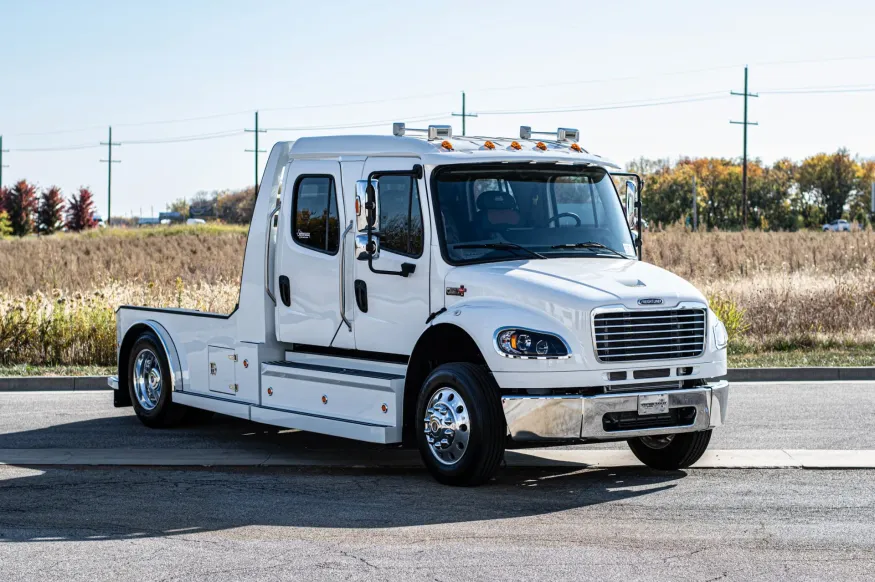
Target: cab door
x=308 y=261
x=391 y=309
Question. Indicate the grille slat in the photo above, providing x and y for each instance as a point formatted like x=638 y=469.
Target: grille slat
x=652 y=335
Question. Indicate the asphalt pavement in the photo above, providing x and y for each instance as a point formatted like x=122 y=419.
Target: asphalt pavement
x=308 y=523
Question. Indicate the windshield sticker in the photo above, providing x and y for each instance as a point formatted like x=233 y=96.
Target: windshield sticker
x=304 y=235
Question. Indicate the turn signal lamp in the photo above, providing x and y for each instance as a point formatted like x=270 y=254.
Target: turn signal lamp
x=358 y=206
x=447 y=145
x=576 y=148
x=515 y=145
x=489 y=145
x=541 y=146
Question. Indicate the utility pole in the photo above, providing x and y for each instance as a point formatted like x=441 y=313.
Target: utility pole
x=695 y=220
x=1 y=161
x=744 y=123
x=256 y=131
x=109 y=162
x=464 y=114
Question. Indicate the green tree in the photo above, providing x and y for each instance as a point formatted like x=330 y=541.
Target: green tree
x=829 y=181
x=180 y=205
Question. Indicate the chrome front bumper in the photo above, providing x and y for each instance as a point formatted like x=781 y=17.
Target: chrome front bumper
x=533 y=418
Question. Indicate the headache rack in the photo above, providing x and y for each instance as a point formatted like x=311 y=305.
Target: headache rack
x=665 y=334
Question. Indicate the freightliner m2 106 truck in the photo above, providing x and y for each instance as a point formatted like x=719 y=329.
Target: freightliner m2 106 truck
x=463 y=294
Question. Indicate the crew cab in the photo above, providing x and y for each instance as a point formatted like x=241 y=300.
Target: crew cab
x=463 y=294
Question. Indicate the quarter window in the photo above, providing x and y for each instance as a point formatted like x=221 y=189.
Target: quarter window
x=400 y=215
x=315 y=223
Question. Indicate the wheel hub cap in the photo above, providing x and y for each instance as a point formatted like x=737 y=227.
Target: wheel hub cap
x=447 y=426
x=147 y=379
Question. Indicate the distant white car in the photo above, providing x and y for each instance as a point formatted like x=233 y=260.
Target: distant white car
x=838 y=226
x=192 y=221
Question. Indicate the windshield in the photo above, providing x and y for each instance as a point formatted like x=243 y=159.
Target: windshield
x=512 y=211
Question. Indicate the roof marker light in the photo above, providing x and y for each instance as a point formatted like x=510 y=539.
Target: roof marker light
x=489 y=145
x=541 y=146
x=447 y=145
x=515 y=145
x=576 y=148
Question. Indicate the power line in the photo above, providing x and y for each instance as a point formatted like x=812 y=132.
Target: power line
x=84 y=146
x=363 y=124
x=825 y=89
x=711 y=96
x=186 y=138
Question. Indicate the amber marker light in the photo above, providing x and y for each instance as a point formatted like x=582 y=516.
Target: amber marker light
x=576 y=148
x=541 y=146
x=515 y=145
x=447 y=145
x=489 y=145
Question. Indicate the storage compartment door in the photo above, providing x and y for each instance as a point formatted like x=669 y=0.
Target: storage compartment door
x=223 y=370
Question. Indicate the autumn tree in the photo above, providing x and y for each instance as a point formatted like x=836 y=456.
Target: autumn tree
x=829 y=180
x=20 y=204
x=5 y=227
x=51 y=211
x=80 y=211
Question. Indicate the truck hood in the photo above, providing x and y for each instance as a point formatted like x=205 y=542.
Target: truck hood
x=579 y=283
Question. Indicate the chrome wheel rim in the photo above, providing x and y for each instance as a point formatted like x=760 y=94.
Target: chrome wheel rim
x=147 y=379
x=657 y=442
x=447 y=426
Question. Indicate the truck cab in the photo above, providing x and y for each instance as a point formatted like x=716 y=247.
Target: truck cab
x=463 y=294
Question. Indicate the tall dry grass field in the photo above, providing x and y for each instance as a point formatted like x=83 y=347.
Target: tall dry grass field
x=58 y=293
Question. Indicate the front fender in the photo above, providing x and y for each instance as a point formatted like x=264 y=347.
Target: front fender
x=480 y=318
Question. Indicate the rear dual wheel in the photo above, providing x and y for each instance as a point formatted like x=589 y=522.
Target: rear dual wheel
x=461 y=428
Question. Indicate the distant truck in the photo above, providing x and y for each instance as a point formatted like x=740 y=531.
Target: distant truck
x=465 y=294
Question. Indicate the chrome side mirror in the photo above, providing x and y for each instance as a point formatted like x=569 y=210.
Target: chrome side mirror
x=361 y=204
x=362 y=251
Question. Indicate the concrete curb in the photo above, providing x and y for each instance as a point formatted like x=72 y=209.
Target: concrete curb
x=800 y=374
x=76 y=383
x=52 y=383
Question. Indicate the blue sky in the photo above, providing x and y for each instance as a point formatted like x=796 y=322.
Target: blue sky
x=78 y=67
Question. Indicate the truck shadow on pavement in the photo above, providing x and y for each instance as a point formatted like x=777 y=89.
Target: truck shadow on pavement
x=55 y=503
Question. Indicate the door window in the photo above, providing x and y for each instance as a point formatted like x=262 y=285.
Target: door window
x=315 y=224
x=400 y=221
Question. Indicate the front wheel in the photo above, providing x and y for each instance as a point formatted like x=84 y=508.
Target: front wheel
x=460 y=424
x=672 y=451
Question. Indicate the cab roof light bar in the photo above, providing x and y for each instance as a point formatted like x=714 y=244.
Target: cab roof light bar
x=562 y=134
x=434 y=132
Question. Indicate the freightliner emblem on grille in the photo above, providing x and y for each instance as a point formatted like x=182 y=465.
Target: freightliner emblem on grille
x=650 y=301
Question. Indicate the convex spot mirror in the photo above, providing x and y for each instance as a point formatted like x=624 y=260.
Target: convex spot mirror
x=631 y=197
x=363 y=215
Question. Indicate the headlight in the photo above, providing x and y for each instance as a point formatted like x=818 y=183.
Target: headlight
x=525 y=343
x=721 y=337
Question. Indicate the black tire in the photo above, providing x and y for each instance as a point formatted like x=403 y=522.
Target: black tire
x=683 y=450
x=485 y=442
x=165 y=413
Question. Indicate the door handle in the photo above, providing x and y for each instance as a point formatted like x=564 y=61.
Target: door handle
x=361 y=295
x=285 y=291
x=343 y=276
x=267 y=253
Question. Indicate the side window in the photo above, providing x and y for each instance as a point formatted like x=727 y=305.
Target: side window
x=314 y=214
x=400 y=215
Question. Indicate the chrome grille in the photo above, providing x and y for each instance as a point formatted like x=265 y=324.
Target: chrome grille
x=630 y=336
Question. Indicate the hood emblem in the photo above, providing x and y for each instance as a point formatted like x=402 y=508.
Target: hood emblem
x=457 y=291
x=650 y=301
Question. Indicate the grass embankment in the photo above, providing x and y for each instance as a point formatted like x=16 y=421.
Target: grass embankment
x=803 y=298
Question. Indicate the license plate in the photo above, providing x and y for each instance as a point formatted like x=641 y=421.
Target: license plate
x=652 y=403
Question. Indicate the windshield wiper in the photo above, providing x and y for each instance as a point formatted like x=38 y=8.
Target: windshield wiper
x=589 y=245
x=505 y=246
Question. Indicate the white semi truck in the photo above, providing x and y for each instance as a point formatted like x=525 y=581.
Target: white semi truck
x=465 y=294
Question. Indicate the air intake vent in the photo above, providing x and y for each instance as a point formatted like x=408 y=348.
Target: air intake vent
x=630 y=336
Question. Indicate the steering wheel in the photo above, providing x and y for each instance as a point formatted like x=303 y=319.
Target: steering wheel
x=564 y=215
